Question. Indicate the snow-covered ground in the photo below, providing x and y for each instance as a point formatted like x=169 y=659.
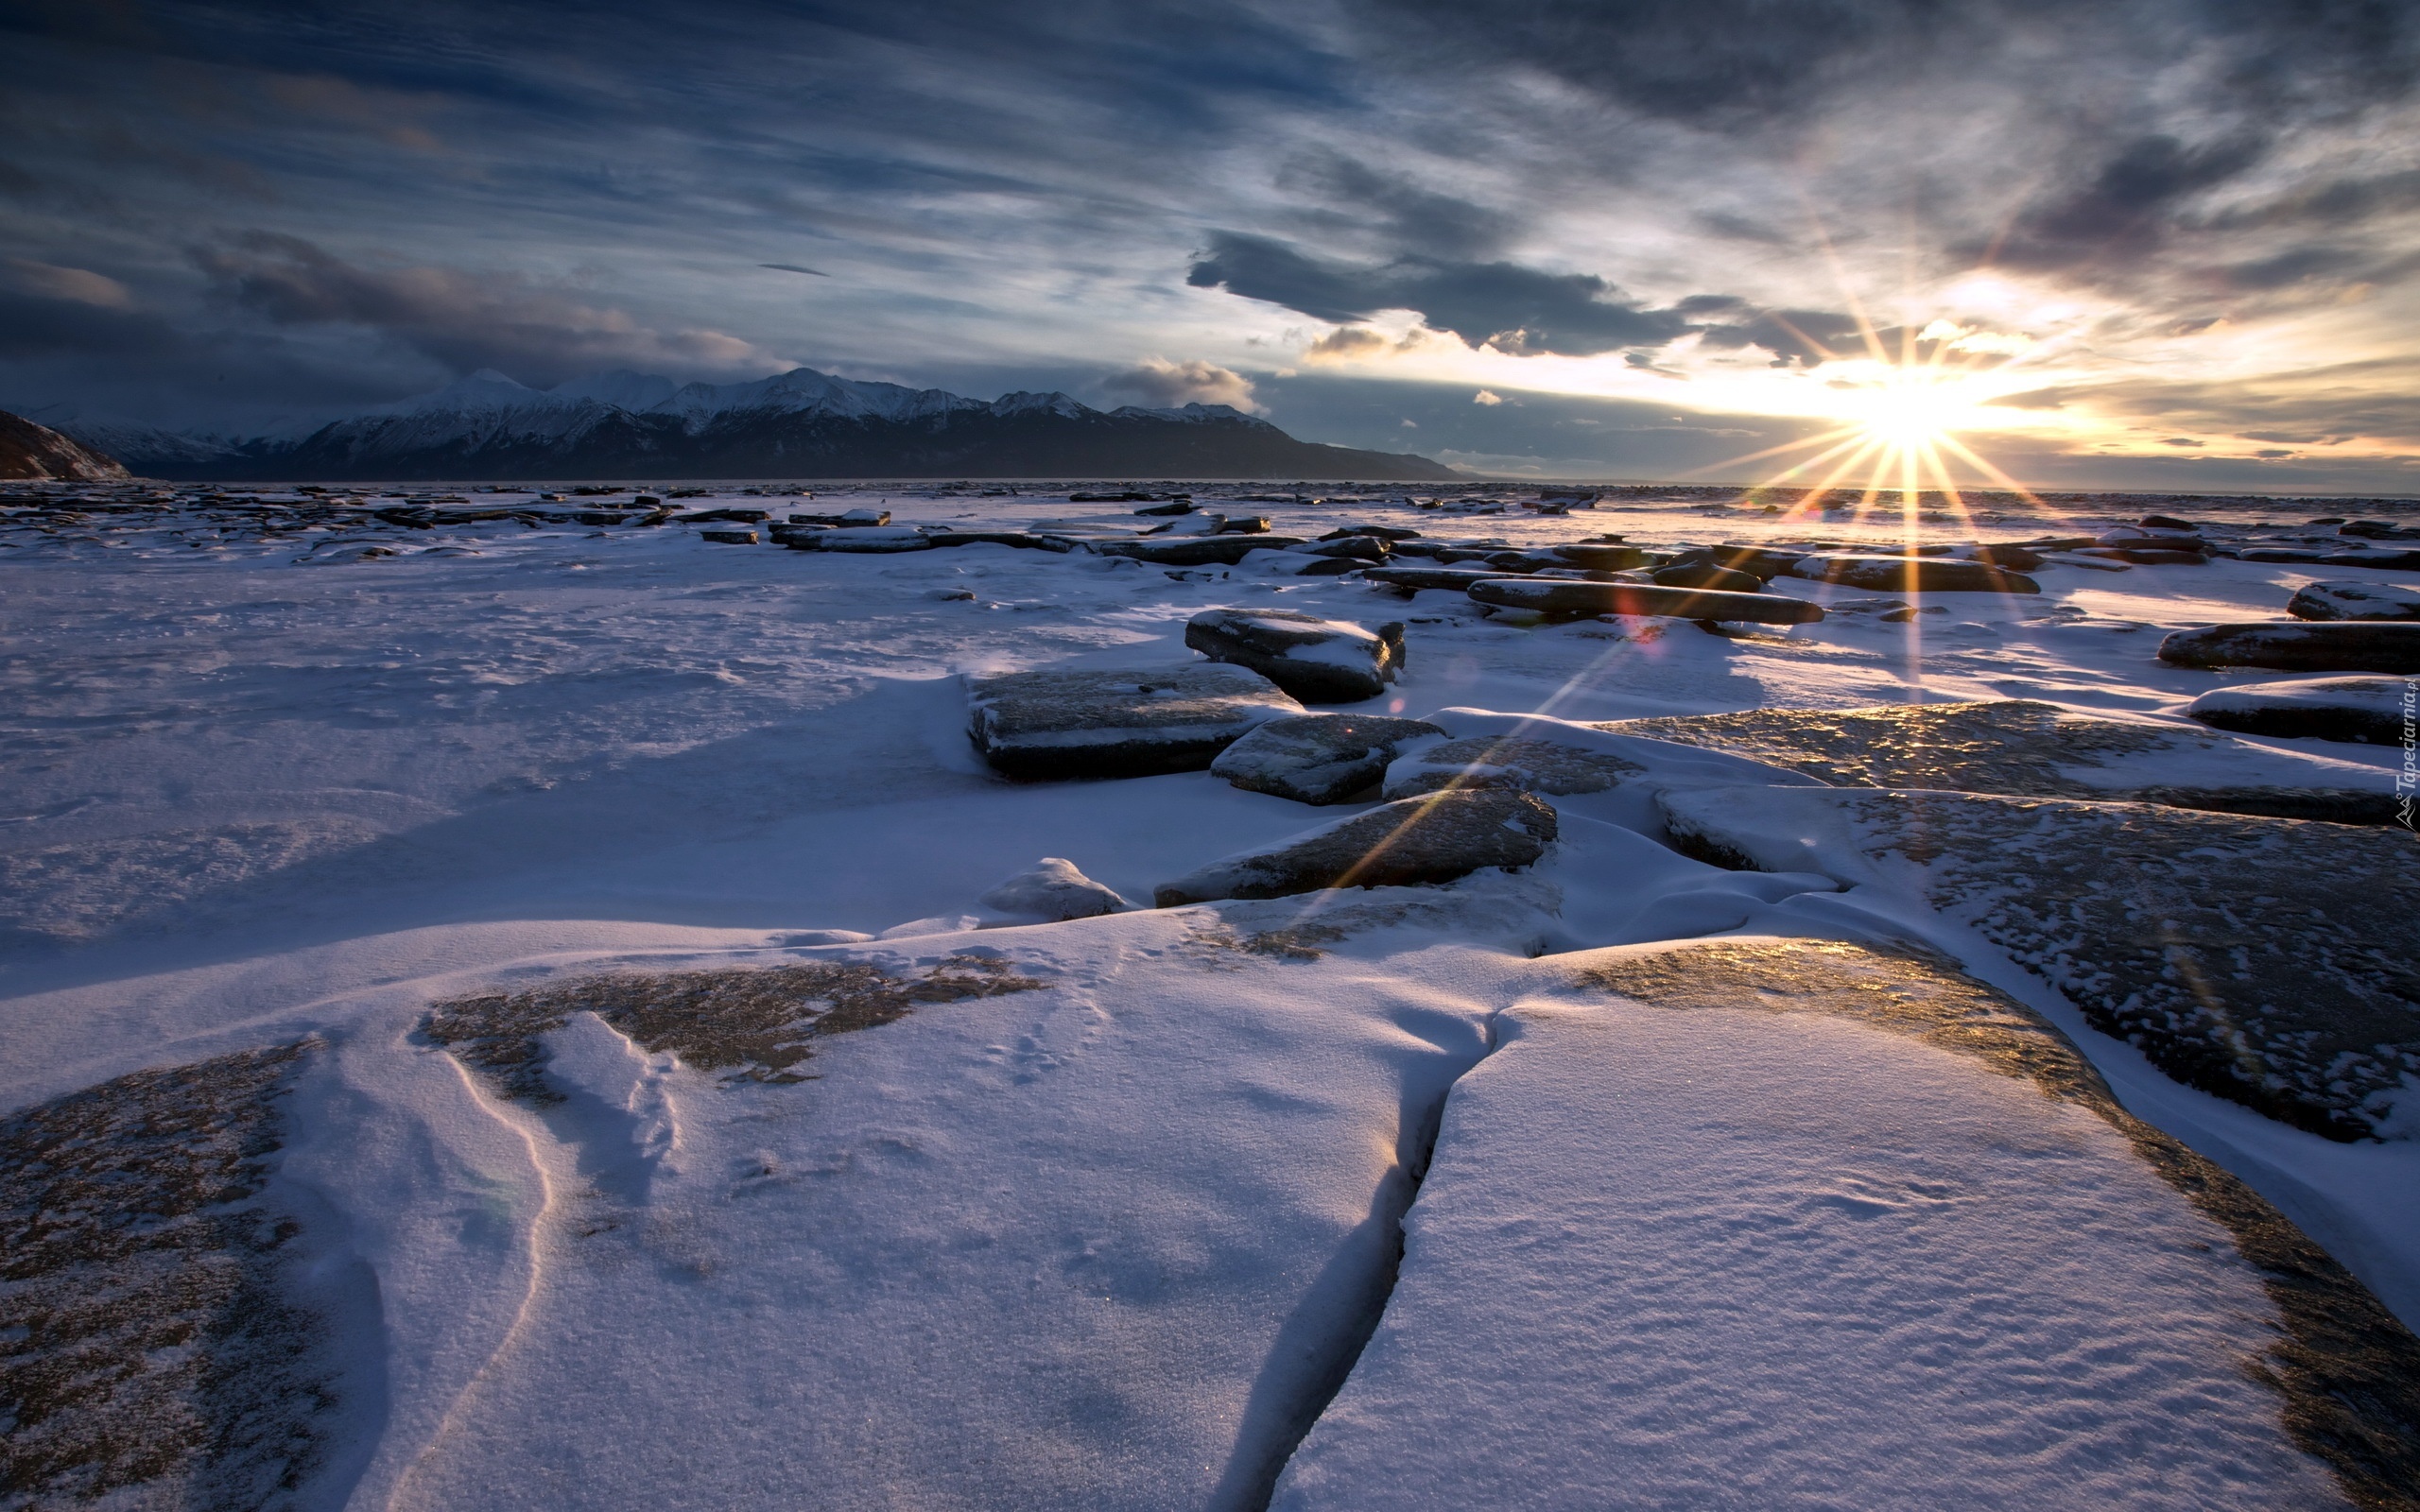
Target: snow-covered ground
x=1103 y=1213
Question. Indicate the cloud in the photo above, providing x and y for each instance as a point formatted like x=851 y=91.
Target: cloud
x=71 y=283
x=1519 y=311
x=542 y=334
x=1487 y=398
x=1514 y=309
x=1346 y=344
x=1164 y=385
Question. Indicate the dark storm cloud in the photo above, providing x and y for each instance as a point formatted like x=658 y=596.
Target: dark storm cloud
x=462 y=319
x=2128 y=207
x=1520 y=311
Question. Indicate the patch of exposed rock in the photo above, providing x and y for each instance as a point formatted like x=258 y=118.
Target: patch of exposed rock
x=2362 y=711
x=2354 y=646
x=1435 y=838
x=2267 y=961
x=28 y=451
x=152 y=1352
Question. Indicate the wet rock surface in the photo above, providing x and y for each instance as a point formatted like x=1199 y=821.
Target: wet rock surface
x=1319 y=757
x=1053 y=725
x=153 y=1351
x=2363 y=711
x=1318 y=660
x=2266 y=961
x=1520 y=763
x=2355 y=601
x=2291 y=646
x=1195 y=551
x=1434 y=839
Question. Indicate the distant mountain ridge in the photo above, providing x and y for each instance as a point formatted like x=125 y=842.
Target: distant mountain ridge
x=29 y=452
x=797 y=424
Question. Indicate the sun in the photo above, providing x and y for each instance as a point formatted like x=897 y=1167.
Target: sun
x=1911 y=407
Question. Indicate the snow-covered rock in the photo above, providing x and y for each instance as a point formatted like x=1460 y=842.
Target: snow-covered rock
x=1429 y=839
x=1046 y=725
x=1318 y=660
x=2355 y=601
x=1319 y=757
x=1530 y=763
x=2362 y=711
x=1052 y=889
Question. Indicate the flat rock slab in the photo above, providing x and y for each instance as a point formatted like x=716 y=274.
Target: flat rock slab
x=861 y=538
x=1913 y=574
x=2032 y=750
x=2364 y=711
x=1603 y=557
x=1195 y=551
x=1319 y=757
x=1797 y=1224
x=1521 y=763
x=1415 y=578
x=2266 y=961
x=1318 y=660
x=2291 y=646
x=2355 y=601
x=1052 y=725
x=1550 y=595
x=1706 y=574
x=1435 y=838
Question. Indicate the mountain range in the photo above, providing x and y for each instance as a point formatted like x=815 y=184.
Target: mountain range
x=797 y=424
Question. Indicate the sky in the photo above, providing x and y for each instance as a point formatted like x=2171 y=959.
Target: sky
x=2155 y=244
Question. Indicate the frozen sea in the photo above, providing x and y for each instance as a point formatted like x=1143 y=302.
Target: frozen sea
x=1356 y=1198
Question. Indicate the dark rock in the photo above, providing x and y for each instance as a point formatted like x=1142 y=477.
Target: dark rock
x=1412 y=579
x=1603 y=557
x=1706 y=574
x=1395 y=534
x=1757 y=561
x=1430 y=839
x=1053 y=891
x=2324 y=805
x=2391 y=562
x=2288 y=646
x=1548 y=595
x=1360 y=548
x=2361 y=711
x=1020 y=539
x=1514 y=563
x=2016 y=559
x=1525 y=764
x=2162 y=522
x=1315 y=660
x=2147 y=555
x=1129 y=497
x=1172 y=506
x=1194 y=551
x=1250 y=525
x=729 y=535
x=744 y=517
x=850 y=517
x=1052 y=725
x=2355 y=601
x=1913 y=574
x=2378 y=530
x=1318 y=758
